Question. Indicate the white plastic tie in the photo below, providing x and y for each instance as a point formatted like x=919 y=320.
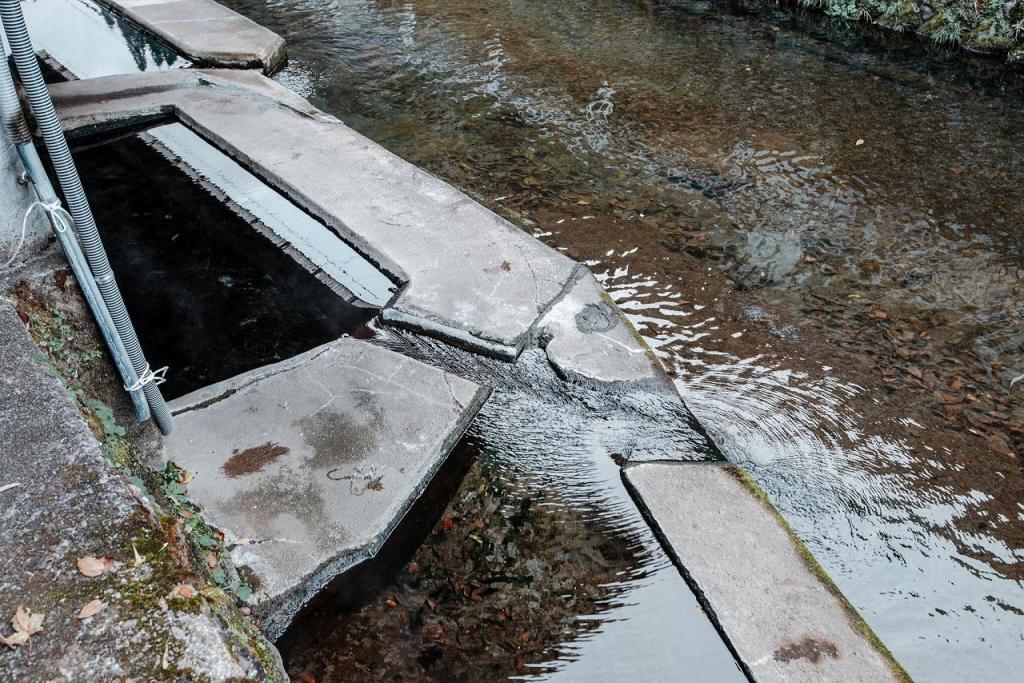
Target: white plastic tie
x=148 y=376
x=61 y=222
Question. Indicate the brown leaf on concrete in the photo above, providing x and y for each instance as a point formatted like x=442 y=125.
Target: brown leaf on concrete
x=25 y=624
x=16 y=639
x=25 y=621
x=91 y=566
x=183 y=590
x=91 y=609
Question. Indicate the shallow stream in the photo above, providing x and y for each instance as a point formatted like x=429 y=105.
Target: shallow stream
x=820 y=235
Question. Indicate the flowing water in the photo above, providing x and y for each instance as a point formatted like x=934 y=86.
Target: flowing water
x=820 y=236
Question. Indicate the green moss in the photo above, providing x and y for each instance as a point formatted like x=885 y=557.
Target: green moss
x=815 y=567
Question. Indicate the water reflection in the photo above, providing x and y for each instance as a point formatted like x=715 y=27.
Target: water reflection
x=90 y=40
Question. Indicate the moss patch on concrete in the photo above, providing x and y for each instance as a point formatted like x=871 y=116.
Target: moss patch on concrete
x=812 y=564
x=156 y=548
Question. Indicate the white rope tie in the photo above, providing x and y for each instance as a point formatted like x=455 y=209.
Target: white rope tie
x=61 y=222
x=148 y=376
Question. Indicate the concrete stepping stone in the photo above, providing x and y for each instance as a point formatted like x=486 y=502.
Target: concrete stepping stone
x=314 y=460
x=206 y=31
x=586 y=335
x=785 y=623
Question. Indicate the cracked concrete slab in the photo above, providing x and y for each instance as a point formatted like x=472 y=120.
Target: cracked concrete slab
x=784 y=622
x=206 y=32
x=470 y=277
x=316 y=459
x=61 y=499
x=585 y=334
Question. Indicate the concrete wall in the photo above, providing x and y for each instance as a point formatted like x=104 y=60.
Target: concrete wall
x=14 y=202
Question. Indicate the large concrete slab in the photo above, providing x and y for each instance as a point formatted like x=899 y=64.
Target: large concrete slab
x=586 y=335
x=470 y=277
x=60 y=499
x=206 y=32
x=784 y=622
x=315 y=460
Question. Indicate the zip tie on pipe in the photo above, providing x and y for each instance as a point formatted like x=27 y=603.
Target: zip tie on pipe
x=149 y=376
x=61 y=222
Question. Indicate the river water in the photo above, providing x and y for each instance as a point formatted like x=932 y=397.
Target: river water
x=821 y=237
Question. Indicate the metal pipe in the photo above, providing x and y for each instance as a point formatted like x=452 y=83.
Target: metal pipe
x=17 y=129
x=78 y=205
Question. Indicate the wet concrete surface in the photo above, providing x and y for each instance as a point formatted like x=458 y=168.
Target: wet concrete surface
x=818 y=234
x=209 y=295
x=313 y=461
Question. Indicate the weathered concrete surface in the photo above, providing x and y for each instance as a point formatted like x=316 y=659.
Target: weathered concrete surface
x=206 y=32
x=471 y=277
x=586 y=334
x=67 y=502
x=316 y=459
x=783 y=621
x=15 y=200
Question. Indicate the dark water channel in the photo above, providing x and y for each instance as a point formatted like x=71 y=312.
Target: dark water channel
x=209 y=295
x=820 y=236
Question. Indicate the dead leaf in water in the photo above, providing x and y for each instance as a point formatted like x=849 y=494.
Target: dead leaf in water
x=91 y=609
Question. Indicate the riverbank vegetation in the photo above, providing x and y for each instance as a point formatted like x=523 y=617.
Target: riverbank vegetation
x=990 y=27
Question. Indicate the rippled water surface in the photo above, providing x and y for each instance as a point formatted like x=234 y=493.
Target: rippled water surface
x=821 y=237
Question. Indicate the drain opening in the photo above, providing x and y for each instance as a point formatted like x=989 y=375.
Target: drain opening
x=214 y=290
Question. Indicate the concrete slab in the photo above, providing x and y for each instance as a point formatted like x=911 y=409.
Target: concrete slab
x=316 y=459
x=784 y=622
x=470 y=277
x=586 y=335
x=206 y=32
x=61 y=499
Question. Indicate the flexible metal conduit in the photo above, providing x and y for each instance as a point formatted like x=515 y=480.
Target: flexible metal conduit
x=78 y=205
x=17 y=130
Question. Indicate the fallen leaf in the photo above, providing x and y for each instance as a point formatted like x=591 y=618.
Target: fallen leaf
x=391 y=602
x=881 y=315
x=91 y=609
x=184 y=514
x=809 y=259
x=860 y=141
x=91 y=566
x=185 y=477
x=16 y=639
x=211 y=561
x=26 y=621
x=447 y=523
x=138 y=558
x=183 y=590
